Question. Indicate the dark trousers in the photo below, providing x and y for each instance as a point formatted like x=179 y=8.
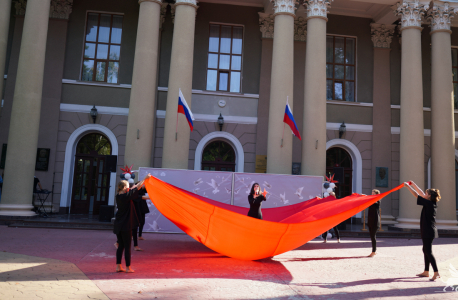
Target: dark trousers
x=336 y=231
x=124 y=241
x=372 y=233
x=134 y=236
x=142 y=223
x=428 y=253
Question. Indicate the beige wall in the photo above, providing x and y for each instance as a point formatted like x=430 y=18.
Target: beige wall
x=245 y=133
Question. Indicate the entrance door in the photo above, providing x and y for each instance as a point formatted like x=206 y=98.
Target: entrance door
x=91 y=183
x=218 y=156
x=339 y=162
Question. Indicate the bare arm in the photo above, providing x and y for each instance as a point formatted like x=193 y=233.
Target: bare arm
x=417 y=189
x=411 y=190
x=140 y=184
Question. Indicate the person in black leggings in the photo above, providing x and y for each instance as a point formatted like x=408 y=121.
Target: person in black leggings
x=373 y=222
x=142 y=209
x=125 y=221
x=336 y=230
x=427 y=224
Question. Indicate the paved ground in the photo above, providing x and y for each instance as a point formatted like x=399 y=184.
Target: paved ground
x=79 y=264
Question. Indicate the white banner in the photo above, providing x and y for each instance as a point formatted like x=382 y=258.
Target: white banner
x=282 y=190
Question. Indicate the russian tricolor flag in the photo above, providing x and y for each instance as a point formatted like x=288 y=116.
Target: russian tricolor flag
x=184 y=109
x=289 y=119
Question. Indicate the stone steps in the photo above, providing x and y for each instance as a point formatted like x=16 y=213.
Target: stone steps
x=61 y=225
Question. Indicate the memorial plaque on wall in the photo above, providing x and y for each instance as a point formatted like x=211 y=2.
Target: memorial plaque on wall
x=42 y=161
x=3 y=158
x=296 y=169
x=381 y=177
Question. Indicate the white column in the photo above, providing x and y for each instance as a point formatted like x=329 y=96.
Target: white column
x=5 y=12
x=141 y=120
x=280 y=155
x=314 y=120
x=442 y=119
x=412 y=129
x=176 y=150
x=25 y=114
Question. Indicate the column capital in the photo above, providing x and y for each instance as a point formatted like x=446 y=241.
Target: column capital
x=440 y=15
x=300 y=29
x=59 y=9
x=411 y=12
x=266 y=25
x=192 y=3
x=284 y=7
x=381 y=35
x=163 y=13
x=317 y=8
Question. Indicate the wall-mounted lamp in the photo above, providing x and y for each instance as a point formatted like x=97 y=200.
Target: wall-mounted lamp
x=220 y=122
x=342 y=130
x=94 y=113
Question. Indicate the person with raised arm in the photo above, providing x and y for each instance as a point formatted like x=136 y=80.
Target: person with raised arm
x=255 y=199
x=428 y=228
x=126 y=220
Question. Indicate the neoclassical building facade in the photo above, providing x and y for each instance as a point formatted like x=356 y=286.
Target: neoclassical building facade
x=371 y=84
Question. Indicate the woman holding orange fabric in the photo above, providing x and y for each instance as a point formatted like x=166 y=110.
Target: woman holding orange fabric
x=255 y=199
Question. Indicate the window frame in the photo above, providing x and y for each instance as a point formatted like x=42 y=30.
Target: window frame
x=228 y=71
x=96 y=47
x=343 y=64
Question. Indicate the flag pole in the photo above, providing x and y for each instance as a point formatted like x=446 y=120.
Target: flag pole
x=282 y=135
x=176 y=128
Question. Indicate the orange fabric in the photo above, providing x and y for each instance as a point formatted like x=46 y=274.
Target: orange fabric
x=228 y=230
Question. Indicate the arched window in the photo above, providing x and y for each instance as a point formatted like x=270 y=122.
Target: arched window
x=339 y=164
x=218 y=156
x=94 y=143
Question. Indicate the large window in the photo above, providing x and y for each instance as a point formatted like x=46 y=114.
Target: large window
x=224 y=58
x=102 y=48
x=455 y=75
x=340 y=68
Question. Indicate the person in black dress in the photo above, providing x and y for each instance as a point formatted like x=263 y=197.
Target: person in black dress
x=373 y=222
x=126 y=220
x=427 y=224
x=141 y=209
x=255 y=199
x=336 y=230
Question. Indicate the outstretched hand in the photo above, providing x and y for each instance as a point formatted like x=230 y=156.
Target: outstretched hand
x=264 y=193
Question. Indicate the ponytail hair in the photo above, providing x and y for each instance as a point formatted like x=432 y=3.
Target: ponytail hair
x=121 y=185
x=435 y=194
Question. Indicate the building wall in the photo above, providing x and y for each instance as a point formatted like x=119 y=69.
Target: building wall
x=68 y=123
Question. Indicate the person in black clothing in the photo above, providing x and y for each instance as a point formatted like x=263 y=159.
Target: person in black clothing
x=126 y=220
x=336 y=230
x=141 y=209
x=427 y=224
x=373 y=222
x=255 y=199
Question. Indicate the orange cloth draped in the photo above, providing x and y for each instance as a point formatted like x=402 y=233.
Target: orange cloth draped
x=228 y=230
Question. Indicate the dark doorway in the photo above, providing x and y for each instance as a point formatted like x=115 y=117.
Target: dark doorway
x=339 y=164
x=91 y=182
x=218 y=156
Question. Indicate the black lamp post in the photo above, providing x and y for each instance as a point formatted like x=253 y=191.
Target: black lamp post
x=220 y=122
x=94 y=113
x=342 y=130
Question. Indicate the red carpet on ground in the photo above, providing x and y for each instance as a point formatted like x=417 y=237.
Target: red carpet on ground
x=228 y=230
